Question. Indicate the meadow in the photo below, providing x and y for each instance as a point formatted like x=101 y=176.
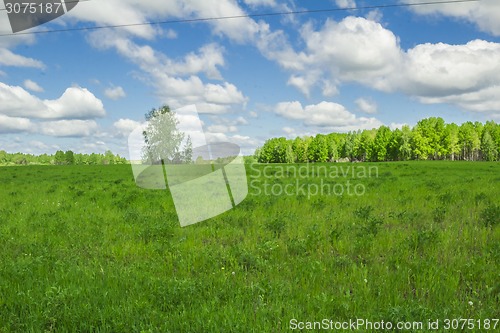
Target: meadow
x=83 y=249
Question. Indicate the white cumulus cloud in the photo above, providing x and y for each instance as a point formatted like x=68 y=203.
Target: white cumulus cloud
x=68 y=128
x=75 y=103
x=126 y=126
x=178 y=82
x=8 y=58
x=325 y=114
x=485 y=13
x=115 y=93
x=366 y=105
x=360 y=50
x=15 y=124
x=345 y=3
x=33 y=86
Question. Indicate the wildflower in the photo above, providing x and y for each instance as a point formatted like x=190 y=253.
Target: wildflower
x=470 y=303
x=366 y=281
x=233 y=273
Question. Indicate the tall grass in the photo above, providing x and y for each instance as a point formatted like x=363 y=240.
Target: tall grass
x=83 y=249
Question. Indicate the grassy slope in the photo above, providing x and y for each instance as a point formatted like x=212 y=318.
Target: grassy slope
x=84 y=249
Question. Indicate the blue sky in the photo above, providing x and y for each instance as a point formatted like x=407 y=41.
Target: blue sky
x=250 y=78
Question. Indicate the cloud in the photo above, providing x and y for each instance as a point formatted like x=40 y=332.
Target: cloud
x=485 y=100
x=260 y=3
x=75 y=103
x=115 y=93
x=222 y=129
x=366 y=105
x=463 y=75
x=8 y=58
x=394 y=126
x=325 y=114
x=38 y=145
x=68 y=128
x=346 y=3
x=14 y=124
x=485 y=13
x=241 y=121
x=119 y=12
x=207 y=60
x=225 y=125
x=177 y=82
x=22 y=112
x=354 y=49
x=33 y=86
x=225 y=94
x=304 y=83
x=241 y=30
x=362 y=51
x=246 y=143
x=126 y=126
x=433 y=70
x=18 y=102
x=171 y=34
x=290 y=132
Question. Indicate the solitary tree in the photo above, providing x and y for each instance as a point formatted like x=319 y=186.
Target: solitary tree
x=163 y=139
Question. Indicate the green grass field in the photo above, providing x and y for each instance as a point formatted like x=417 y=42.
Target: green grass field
x=85 y=250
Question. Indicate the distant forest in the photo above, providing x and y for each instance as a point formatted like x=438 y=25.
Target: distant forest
x=429 y=139
x=61 y=158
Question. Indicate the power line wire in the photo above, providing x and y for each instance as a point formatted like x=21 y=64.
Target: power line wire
x=205 y=19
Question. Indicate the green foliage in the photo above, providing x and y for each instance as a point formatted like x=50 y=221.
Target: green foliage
x=363 y=146
x=61 y=158
x=488 y=148
x=69 y=157
x=275 y=151
x=469 y=141
x=381 y=144
x=431 y=138
x=318 y=149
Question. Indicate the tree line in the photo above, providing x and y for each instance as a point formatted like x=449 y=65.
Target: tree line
x=61 y=158
x=429 y=139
